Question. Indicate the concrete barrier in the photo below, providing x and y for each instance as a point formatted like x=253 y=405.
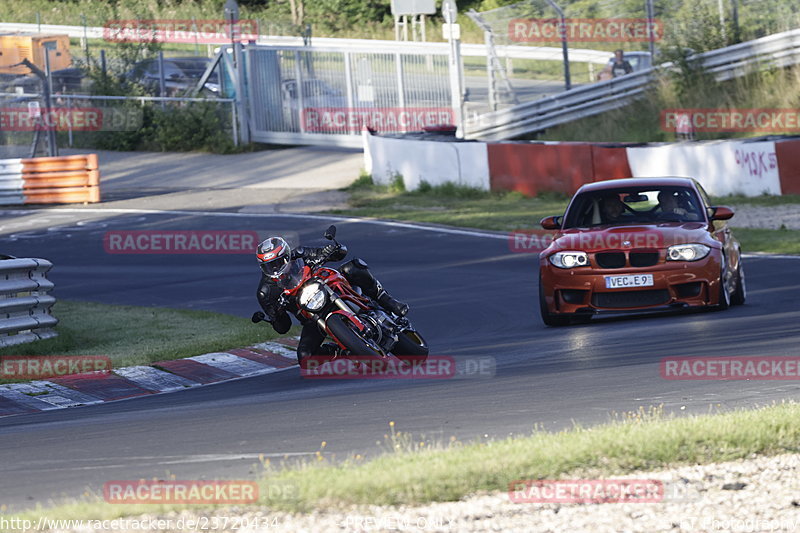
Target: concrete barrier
x=749 y=168
x=418 y=160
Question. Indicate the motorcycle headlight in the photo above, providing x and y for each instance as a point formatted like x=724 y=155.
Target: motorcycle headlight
x=687 y=252
x=312 y=297
x=569 y=259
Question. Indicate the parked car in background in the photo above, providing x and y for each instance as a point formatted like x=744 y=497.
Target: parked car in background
x=180 y=75
x=68 y=80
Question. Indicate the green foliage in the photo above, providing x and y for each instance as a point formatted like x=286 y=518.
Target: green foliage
x=397 y=185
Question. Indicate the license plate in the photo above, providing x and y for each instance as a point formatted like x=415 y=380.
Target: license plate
x=629 y=280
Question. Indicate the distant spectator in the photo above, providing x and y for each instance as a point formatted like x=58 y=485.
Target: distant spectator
x=617 y=66
x=620 y=66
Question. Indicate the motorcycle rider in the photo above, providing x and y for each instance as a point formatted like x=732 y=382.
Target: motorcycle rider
x=274 y=255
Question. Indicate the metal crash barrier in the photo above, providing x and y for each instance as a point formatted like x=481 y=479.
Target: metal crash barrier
x=25 y=304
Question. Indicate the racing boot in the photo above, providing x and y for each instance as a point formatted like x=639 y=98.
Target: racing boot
x=390 y=304
x=358 y=273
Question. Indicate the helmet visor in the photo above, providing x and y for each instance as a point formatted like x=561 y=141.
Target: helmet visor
x=273 y=268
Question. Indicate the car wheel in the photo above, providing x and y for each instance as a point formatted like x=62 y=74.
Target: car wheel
x=548 y=318
x=740 y=294
x=724 y=295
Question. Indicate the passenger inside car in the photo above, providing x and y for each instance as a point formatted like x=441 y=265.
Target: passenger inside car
x=673 y=206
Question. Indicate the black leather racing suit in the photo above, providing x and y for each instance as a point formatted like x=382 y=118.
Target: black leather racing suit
x=357 y=273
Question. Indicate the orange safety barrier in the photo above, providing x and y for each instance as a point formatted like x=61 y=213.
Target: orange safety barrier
x=60 y=180
x=610 y=163
x=534 y=168
x=788 y=153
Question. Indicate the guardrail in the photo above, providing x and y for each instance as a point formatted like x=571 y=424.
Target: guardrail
x=778 y=50
x=25 y=305
x=50 y=180
x=514 y=51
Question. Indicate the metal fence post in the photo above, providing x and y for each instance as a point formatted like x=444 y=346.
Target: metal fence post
x=298 y=78
x=348 y=83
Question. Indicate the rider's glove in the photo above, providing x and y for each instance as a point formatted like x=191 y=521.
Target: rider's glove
x=329 y=250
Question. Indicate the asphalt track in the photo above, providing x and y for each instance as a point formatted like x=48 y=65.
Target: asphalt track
x=470 y=296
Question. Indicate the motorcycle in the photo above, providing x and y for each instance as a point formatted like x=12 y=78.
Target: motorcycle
x=358 y=325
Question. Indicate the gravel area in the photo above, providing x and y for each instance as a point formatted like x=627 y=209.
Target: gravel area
x=766 y=217
x=754 y=495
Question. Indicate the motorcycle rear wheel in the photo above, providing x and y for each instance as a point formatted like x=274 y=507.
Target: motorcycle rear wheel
x=411 y=347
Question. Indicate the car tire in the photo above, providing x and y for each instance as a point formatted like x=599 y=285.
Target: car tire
x=740 y=294
x=724 y=296
x=548 y=318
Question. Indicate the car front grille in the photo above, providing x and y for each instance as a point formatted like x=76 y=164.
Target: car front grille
x=610 y=259
x=641 y=258
x=626 y=299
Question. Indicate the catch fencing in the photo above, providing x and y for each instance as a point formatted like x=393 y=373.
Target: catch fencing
x=25 y=305
x=325 y=95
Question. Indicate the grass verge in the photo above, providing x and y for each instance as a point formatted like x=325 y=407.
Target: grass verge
x=465 y=207
x=141 y=335
x=417 y=472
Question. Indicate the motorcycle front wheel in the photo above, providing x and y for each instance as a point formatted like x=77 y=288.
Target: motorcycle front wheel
x=345 y=332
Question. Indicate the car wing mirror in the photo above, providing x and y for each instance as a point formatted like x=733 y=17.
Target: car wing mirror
x=721 y=213
x=552 y=222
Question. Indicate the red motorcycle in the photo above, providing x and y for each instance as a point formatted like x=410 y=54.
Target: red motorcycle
x=358 y=325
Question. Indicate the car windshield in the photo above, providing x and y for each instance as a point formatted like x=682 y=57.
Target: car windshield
x=291 y=275
x=633 y=205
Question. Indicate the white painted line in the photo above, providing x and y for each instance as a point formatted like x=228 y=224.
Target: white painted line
x=154 y=379
x=234 y=364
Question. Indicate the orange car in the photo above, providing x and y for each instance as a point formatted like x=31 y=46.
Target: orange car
x=638 y=244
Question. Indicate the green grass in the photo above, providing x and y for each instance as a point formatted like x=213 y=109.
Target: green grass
x=417 y=471
x=141 y=335
x=763 y=200
x=465 y=207
x=772 y=241
x=452 y=205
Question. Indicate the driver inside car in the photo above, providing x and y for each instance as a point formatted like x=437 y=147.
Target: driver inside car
x=275 y=257
x=612 y=208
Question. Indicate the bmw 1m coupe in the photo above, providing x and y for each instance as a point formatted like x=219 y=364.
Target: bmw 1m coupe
x=636 y=245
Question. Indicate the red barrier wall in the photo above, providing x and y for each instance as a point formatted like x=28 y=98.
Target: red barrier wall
x=610 y=163
x=534 y=168
x=788 y=153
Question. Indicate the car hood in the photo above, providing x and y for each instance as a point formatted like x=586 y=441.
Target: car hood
x=630 y=237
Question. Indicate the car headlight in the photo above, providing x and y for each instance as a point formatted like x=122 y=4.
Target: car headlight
x=687 y=252
x=312 y=297
x=569 y=259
